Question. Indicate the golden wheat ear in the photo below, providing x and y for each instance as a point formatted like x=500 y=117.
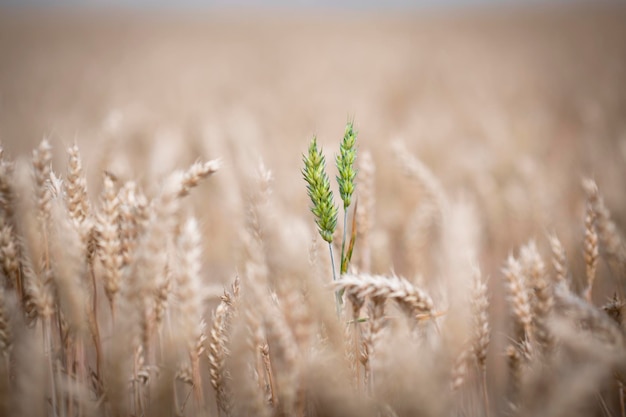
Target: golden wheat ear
x=518 y=299
x=108 y=240
x=610 y=237
x=559 y=261
x=218 y=349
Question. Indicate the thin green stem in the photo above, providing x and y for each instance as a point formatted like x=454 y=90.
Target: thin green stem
x=337 y=295
x=343 y=243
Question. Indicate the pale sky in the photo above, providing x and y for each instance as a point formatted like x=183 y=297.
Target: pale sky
x=283 y=4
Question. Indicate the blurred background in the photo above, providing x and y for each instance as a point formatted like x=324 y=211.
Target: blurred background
x=510 y=104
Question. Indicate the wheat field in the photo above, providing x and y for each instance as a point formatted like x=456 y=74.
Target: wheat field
x=328 y=214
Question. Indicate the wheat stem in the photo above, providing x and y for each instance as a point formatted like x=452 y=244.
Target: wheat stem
x=343 y=242
x=337 y=293
x=485 y=392
x=267 y=365
x=95 y=326
x=47 y=337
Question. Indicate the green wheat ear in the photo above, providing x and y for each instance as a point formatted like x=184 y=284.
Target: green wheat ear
x=345 y=165
x=318 y=188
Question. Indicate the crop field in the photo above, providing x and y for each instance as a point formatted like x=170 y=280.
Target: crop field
x=323 y=214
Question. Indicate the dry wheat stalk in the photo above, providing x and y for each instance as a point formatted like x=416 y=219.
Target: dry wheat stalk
x=217 y=350
x=353 y=342
x=480 y=305
x=254 y=336
x=285 y=364
x=42 y=159
x=109 y=242
x=9 y=246
x=148 y=273
x=365 y=210
x=69 y=266
x=132 y=219
x=188 y=293
x=10 y=256
x=256 y=212
x=249 y=398
x=267 y=321
x=474 y=351
x=76 y=194
x=5 y=386
x=515 y=371
x=411 y=299
x=39 y=293
x=351 y=354
x=139 y=379
x=276 y=343
x=518 y=297
x=197 y=172
x=609 y=235
x=251 y=331
x=38 y=289
x=6 y=337
x=270 y=335
x=543 y=301
x=372 y=338
x=270 y=380
x=590 y=248
x=144 y=276
x=7 y=188
x=460 y=369
x=162 y=295
x=559 y=260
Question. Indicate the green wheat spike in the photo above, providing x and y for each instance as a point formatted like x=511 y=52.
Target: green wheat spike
x=324 y=209
x=345 y=165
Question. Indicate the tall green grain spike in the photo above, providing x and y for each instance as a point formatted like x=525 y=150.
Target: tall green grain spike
x=324 y=209
x=345 y=165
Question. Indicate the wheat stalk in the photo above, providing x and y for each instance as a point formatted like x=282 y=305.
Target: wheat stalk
x=217 y=351
x=365 y=210
x=7 y=189
x=10 y=256
x=559 y=260
x=76 y=193
x=414 y=301
x=591 y=249
x=188 y=292
x=42 y=159
x=109 y=241
x=131 y=220
x=543 y=300
x=609 y=235
x=518 y=297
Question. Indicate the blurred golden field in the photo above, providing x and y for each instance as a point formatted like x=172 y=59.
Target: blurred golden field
x=509 y=109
